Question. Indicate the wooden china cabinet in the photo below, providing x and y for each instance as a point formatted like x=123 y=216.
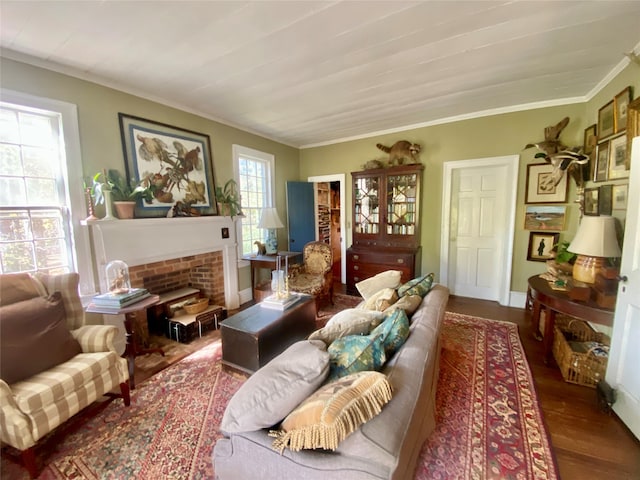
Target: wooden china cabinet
x=385 y=224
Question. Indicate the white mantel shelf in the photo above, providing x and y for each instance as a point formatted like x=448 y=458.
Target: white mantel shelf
x=147 y=240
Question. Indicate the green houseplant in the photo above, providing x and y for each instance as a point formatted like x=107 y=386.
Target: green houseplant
x=111 y=186
x=228 y=199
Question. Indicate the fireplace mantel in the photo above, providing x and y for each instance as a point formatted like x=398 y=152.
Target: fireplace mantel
x=149 y=240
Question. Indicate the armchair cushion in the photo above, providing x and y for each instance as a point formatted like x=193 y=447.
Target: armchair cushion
x=67 y=285
x=17 y=287
x=96 y=338
x=34 y=337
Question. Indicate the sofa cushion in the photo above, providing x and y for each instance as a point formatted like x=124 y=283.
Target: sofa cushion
x=334 y=411
x=417 y=286
x=408 y=303
x=34 y=337
x=393 y=331
x=355 y=353
x=17 y=287
x=372 y=285
x=351 y=321
x=380 y=301
x=277 y=388
x=67 y=285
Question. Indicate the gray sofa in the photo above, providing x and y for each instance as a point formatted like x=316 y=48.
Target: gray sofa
x=386 y=447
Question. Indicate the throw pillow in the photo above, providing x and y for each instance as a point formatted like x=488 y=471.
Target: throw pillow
x=380 y=301
x=333 y=412
x=355 y=353
x=393 y=331
x=277 y=388
x=351 y=321
x=417 y=286
x=17 y=287
x=408 y=303
x=67 y=285
x=372 y=285
x=34 y=337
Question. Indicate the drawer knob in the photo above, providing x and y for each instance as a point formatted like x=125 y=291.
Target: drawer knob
x=356 y=267
x=400 y=260
x=356 y=257
x=356 y=279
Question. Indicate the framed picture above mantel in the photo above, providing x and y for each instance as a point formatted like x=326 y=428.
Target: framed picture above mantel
x=177 y=161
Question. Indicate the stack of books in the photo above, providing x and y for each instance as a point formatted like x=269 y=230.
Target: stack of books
x=116 y=301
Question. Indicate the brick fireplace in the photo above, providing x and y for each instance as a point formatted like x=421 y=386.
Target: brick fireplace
x=164 y=254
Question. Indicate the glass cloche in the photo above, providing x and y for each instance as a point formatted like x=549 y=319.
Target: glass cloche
x=118 y=277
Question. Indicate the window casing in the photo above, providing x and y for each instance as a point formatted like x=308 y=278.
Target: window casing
x=41 y=195
x=254 y=174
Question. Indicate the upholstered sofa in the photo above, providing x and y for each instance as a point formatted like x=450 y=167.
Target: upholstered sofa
x=385 y=447
x=52 y=364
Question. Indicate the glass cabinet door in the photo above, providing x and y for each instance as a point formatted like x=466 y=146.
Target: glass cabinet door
x=366 y=214
x=401 y=194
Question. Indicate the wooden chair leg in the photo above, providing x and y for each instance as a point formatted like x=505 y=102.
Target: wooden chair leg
x=29 y=461
x=126 y=393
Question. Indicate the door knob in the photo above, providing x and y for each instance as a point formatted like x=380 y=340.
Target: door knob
x=622 y=278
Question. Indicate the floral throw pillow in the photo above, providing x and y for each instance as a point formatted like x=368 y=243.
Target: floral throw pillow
x=393 y=331
x=355 y=353
x=417 y=286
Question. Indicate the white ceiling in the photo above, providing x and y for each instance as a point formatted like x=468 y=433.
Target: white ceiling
x=315 y=72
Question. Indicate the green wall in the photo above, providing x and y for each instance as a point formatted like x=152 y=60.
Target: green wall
x=492 y=136
x=496 y=135
x=98 y=108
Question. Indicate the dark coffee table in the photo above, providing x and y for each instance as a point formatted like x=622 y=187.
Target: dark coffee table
x=256 y=335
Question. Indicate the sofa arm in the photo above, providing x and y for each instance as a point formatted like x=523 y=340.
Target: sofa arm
x=96 y=338
x=14 y=425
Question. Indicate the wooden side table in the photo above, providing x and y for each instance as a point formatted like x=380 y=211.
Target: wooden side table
x=543 y=296
x=259 y=262
x=132 y=349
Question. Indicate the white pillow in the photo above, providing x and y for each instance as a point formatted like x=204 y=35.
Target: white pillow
x=408 y=303
x=276 y=389
x=351 y=321
x=371 y=286
x=380 y=301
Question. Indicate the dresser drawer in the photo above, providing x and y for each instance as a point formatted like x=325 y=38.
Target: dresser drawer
x=362 y=264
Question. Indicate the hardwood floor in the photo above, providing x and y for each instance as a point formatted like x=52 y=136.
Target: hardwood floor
x=587 y=442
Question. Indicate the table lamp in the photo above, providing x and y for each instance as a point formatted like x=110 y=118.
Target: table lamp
x=595 y=241
x=270 y=220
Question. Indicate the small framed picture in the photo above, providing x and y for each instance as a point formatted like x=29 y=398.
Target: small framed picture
x=621 y=102
x=633 y=126
x=606 y=121
x=604 y=200
x=591 y=201
x=540 y=187
x=618 y=158
x=602 y=162
x=619 y=197
x=590 y=139
x=541 y=246
x=544 y=217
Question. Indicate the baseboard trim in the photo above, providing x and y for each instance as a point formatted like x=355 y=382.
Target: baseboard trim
x=245 y=295
x=517 y=299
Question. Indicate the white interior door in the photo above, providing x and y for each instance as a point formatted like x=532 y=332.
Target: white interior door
x=624 y=355
x=479 y=211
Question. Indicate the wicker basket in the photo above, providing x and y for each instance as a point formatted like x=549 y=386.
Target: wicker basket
x=196 y=305
x=579 y=367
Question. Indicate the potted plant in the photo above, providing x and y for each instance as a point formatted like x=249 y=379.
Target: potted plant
x=228 y=199
x=111 y=186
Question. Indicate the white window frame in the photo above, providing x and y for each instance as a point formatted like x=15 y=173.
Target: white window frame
x=246 y=152
x=72 y=173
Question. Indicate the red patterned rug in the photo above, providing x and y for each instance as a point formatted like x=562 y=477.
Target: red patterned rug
x=489 y=423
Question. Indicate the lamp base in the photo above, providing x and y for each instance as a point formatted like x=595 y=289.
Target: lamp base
x=271 y=243
x=586 y=268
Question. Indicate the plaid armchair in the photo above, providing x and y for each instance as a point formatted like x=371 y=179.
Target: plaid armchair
x=314 y=275
x=32 y=407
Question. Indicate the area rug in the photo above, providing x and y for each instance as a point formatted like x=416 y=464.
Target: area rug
x=488 y=427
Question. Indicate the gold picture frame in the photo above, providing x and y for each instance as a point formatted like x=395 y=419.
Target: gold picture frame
x=600 y=170
x=618 y=158
x=538 y=188
x=621 y=107
x=633 y=126
x=606 y=120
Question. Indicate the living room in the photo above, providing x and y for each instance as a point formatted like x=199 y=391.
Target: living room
x=491 y=134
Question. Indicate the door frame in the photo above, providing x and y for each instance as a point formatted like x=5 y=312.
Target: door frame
x=338 y=177
x=511 y=162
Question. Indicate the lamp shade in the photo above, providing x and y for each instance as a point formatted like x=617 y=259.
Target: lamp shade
x=270 y=219
x=596 y=237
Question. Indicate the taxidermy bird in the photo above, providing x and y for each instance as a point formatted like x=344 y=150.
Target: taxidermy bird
x=401 y=151
x=561 y=157
x=262 y=249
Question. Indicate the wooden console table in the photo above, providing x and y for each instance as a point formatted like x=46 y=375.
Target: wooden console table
x=268 y=262
x=132 y=349
x=543 y=296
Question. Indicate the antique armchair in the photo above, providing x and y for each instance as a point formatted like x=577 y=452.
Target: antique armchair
x=314 y=275
x=52 y=365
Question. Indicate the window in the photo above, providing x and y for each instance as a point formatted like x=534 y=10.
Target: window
x=37 y=158
x=254 y=172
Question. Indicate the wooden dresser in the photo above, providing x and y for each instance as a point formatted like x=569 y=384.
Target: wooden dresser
x=386 y=223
